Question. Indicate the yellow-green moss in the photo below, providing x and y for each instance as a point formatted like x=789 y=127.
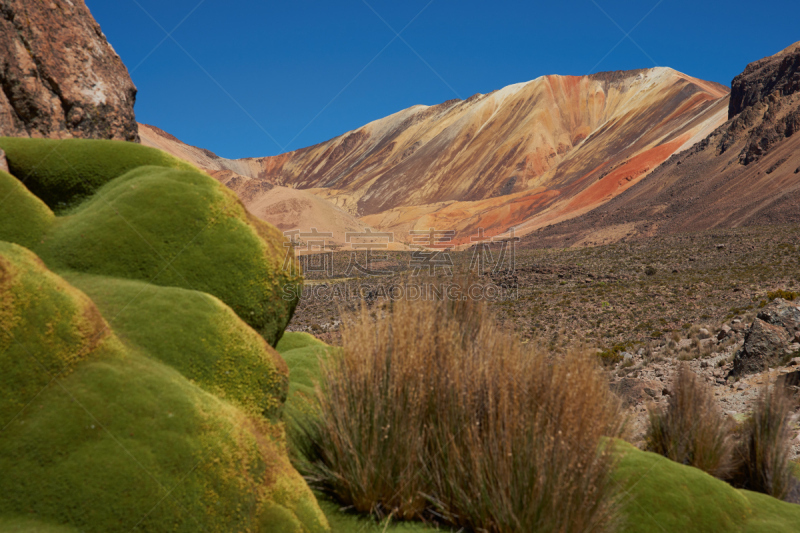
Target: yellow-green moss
x=63 y=172
x=181 y=229
x=121 y=441
x=196 y=334
x=25 y=218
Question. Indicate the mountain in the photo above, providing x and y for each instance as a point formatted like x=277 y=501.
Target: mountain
x=525 y=156
x=746 y=172
x=59 y=76
x=284 y=207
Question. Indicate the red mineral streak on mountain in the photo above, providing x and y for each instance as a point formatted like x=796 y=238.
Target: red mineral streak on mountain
x=525 y=156
x=746 y=172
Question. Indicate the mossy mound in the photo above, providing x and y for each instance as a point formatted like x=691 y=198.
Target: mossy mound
x=303 y=353
x=179 y=228
x=663 y=495
x=107 y=438
x=64 y=172
x=46 y=328
x=196 y=334
x=25 y=218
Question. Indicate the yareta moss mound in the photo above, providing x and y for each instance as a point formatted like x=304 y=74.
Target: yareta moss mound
x=196 y=334
x=663 y=495
x=46 y=328
x=64 y=172
x=303 y=354
x=25 y=218
x=103 y=437
x=179 y=229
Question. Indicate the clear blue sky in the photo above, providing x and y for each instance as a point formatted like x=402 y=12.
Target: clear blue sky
x=255 y=78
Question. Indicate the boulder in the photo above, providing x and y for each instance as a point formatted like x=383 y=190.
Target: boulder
x=769 y=339
x=61 y=80
x=784 y=314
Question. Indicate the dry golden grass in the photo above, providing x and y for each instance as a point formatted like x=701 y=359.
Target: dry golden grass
x=431 y=412
x=764 y=451
x=692 y=430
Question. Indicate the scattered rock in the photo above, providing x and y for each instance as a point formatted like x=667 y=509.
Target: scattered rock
x=724 y=332
x=633 y=391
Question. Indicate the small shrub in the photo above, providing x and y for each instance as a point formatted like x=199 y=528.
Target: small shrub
x=691 y=430
x=650 y=271
x=780 y=293
x=764 y=451
x=432 y=412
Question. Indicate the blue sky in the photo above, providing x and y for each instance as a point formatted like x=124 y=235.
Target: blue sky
x=253 y=78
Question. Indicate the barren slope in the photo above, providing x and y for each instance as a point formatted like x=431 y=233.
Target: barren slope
x=284 y=207
x=525 y=156
x=746 y=172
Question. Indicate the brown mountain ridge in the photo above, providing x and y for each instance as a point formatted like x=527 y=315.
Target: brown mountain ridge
x=524 y=156
x=746 y=172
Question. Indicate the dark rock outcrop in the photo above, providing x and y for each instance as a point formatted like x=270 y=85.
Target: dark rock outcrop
x=59 y=76
x=779 y=73
x=768 y=341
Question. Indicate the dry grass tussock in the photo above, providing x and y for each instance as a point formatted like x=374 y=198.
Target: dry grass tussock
x=431 y=412
x=764 y=450
x=692 y=430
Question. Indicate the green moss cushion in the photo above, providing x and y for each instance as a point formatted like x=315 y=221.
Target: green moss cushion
x=178 y=228
x=196 y=334
x=25 y=218
x=660 y=494
x=64 y=172
x=100 y=435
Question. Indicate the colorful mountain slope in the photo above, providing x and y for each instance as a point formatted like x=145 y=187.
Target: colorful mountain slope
x=526 y=155
x=746 y=172
x=286 y=208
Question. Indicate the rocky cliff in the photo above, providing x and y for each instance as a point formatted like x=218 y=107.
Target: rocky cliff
x=60 y=77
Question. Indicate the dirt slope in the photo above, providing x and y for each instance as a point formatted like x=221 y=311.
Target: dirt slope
x=746 y=172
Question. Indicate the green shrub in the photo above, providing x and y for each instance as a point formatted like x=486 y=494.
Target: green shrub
x=64 y=172
x=454 y=420
x=765 y=449
x=780 y=293
x=692 y=430
x=613 y=355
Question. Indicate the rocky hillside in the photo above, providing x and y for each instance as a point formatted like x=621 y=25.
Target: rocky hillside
x=534 y=152
x=746 y=172
x=59 y=79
